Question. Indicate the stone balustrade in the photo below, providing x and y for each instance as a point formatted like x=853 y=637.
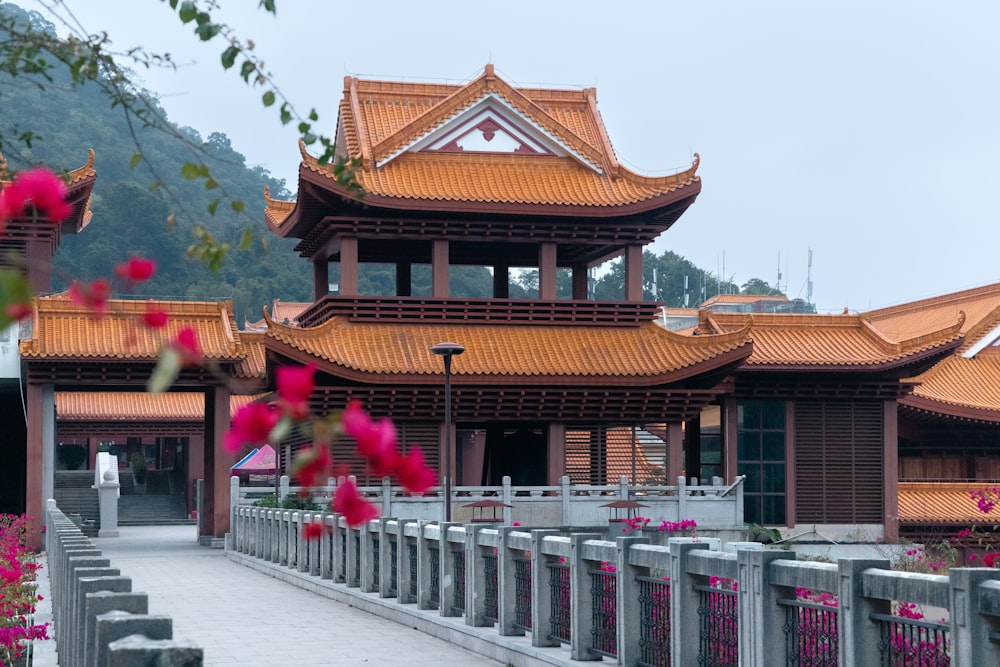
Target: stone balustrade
x=694 y=601
x=99 y=620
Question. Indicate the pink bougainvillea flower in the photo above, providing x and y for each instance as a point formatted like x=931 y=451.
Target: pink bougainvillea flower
x=251 y=425
x=186 y=345
x=413 y=473
x=295 y=385
x=41 y=189
x=312 y=466
x=349 y=503
x=154 y=318
x=136 y=270
x=91 y=295
x=312 y=530
x=376 y=441
x=990 y=560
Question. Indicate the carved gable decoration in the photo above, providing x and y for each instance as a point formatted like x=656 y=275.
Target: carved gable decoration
x=492 y=125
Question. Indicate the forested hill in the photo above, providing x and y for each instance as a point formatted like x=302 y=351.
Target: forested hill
x=129 y=218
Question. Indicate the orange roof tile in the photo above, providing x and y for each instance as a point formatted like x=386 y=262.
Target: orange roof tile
x=381 y=120
x=824 y=340
x=942 y=502
x=648 y=351
x=287 y=312
x=741 y=298
x=63 y=330
x=254 y=364
x=619 y=458
x=980 y=305
x=137 y=406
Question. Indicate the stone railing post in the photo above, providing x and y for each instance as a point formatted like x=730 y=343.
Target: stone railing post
x=108 y=497
x=424 y=600
x=627 y=606
x=354 y=551
x=507 y=497
x=581 y=600
x=102 y=602
x=970 y=630
x=506 y=586
x=234 y=504
x=682 y=498
x=684 y=602
x=338 y=559
x=283 y=488
x=115 y=625
x=403 y=564
x=623 y=489
x=326 y=545
x=738 y=511
x=369 y=583
x=141 y=650
x=565 y=498
x=475 y=577
x=387 y=496
x=385 y=573
x=91 y=580
x=446 y=578
x=283 y=518
x=760 y=616
x=859 y=635
x=541 y=596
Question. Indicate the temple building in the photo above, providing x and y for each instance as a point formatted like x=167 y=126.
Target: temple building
x=845 y=427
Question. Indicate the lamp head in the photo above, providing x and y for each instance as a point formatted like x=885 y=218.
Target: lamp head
x=447 y=349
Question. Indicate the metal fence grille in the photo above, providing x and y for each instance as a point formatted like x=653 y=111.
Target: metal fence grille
x=522 y=592
x=904 y=641
x=559 y=621
x=435 y=559
x=718 y=614
x=811 y=634
x=458 y=588
x=393 y=567
x=654 y=622
x=604 y=615
x=412 y=550
x=491 y=602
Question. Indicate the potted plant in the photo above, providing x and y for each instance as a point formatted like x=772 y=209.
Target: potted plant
x=138 y=466
x=71 y=456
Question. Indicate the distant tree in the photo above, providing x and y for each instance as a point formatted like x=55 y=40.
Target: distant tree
x=761 y=287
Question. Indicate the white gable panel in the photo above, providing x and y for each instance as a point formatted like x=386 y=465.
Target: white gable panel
x=492 y=125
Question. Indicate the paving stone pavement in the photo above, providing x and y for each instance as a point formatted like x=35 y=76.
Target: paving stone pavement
x=243 y=618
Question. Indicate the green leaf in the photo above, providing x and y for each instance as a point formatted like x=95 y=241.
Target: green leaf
x=167 y=370
x=211 y=183
x=191 y=171
x=229 y=56
x=212 y=205
x=313 y=116
x=268 y=98
x=308 y=138
x=304 y=127
x=268 y=6
x=136 y=159
x=246 y=69
x=247 y=239
x=188 y=11
x=286 y=114
x=237 y=205
x=207 y=30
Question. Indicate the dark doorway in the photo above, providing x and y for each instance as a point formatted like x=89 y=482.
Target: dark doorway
x=520 y=451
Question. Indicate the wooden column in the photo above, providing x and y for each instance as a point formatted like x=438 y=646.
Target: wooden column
x=501 y=281
x=439 y=269
x=321 y=279
x=404 y=280
x=729 y=436
x=633 y=273
x=557 y=452
x=692 y=448
x=217 y=463
x=581 y=283
x=675 y=451
x=33 y=492
x=547 y=271
x=349 y=266
x=890 y=470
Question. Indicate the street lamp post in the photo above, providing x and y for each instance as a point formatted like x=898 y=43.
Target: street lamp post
x=447 y=350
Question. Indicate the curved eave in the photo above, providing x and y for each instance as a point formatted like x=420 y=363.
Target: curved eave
x=721 y=364
x=305 y=214
x=904 y=365
x=930 y=409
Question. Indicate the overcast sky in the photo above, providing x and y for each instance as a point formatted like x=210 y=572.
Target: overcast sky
x=868 y=132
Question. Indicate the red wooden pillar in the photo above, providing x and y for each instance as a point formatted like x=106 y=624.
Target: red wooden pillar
x=581 y=282
x=217 y=463
x=321 y=278
x=890 y=470
x=439 y=269
x=633 y=272
x=33 y=475
x=501 y=281
x=675 y=451
x=349 y=266
x=547 y=272
x=557 y=452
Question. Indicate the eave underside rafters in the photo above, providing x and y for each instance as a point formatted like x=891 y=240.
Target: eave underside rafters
x=128 y=429
x=98 y=375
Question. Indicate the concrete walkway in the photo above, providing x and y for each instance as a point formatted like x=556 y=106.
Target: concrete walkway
x=243 y=618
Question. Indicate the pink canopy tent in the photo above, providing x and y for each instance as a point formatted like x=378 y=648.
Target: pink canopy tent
x=260 y=463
